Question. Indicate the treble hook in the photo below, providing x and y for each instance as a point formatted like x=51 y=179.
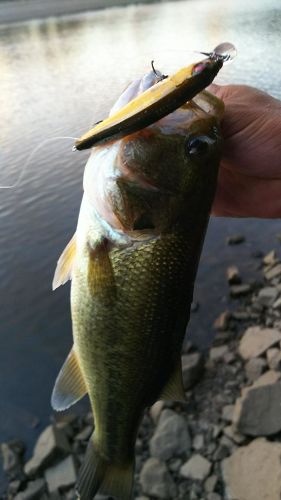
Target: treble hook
x=214 y=55
x=223 y=52
x=159 y=76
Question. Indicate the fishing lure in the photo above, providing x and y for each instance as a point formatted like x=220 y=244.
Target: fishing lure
x=160 y=100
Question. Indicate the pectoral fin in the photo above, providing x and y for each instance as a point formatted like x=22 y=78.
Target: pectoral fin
x=101 y=279
x=70 y=385
x=174 y=389
x=65 y=264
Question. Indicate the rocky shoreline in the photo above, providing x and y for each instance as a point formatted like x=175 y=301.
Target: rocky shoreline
x=224 y=442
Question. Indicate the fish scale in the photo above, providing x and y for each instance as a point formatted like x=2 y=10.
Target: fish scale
x=123 y=341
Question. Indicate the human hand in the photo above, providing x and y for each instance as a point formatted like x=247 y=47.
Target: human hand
x=249 y=182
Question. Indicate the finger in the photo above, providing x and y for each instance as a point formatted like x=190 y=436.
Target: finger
x=244 y=196
x=220 y=91
x=214 y=88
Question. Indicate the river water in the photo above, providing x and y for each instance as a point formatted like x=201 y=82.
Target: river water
x=58 y=76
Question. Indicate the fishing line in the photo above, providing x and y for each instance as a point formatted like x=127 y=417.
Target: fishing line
x=29 y=158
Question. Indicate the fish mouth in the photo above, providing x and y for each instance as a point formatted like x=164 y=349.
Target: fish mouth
x=139 y=180
x=155 y=103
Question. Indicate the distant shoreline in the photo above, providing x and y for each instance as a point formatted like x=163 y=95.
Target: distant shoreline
x=14 y=11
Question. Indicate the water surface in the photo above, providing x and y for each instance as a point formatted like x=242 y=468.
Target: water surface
x=58 y=76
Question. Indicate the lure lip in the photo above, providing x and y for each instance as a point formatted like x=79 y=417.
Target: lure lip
x=198 y=78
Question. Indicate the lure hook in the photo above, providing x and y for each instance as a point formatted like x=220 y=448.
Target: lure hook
x=223 y=52
x=213 y=55
x=159 y=76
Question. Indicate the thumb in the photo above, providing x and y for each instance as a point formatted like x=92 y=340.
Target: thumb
x=220 y=91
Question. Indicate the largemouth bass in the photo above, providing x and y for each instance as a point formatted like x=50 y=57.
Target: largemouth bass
x=133 y=262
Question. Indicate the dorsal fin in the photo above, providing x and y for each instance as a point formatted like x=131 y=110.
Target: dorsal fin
x=65 y=263
x=174 y=389
x=70 y=385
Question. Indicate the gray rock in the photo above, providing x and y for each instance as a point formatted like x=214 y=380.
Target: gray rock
x=231 y=433
x=62 y=475
x=240 y=290
x=138 y=445
x=84 y=434
x=217 y=353
x=222 y=321
x=13 y=488
x=269 y=377
x=194 y=307
x=89 y=419
x=156 y=480
x=254 y=368
x=227 y=413
x=34 y=491
x=257 y=412
x=187 y=347
x=210 y=483
x=253 y=471
x=271 y=353
x=171 y=437
x=229 y=358
x=195 y=491
x=184 y=490
x=233 y=275
x=241 y=315
x=12 y=459
x=217 y=430
x=192 y=368
x=235 y=239
x=211 y=449
x=273 y=357
x=270 y=258
x=220 y=453
x=273 y=272
x=69 y=419
x=71 y=495
x=155 y=411
x=257 y=340
x=175 y=464
x=50 y=444
x=267 y=296
x=52 y=496
x=214 y=496
x=197 y=467
x=198 y=442
x=66 y=428
x=228 y=443
x=277 y=304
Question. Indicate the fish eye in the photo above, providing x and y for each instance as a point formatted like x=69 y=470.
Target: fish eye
x=198 y=145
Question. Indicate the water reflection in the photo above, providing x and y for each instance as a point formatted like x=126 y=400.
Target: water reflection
x=57 y=77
